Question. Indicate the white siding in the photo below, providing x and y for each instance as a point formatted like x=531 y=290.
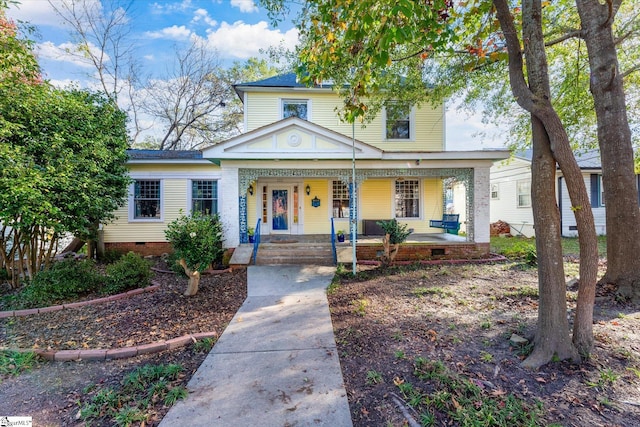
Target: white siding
x=569 y=219
x=505 y=207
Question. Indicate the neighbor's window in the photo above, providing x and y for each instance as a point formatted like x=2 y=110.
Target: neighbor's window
x=398 y=121
x=495 y=191
x=295 y=108
x=204 y=197
x=601 y=192
x=523 y=190
x=340 y=200
x=146 y=199
x=407 y=198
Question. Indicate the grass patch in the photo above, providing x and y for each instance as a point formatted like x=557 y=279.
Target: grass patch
x=516 y=245
x=135 y=397
x=447 y=395
x=422 y=291
x=15 y=362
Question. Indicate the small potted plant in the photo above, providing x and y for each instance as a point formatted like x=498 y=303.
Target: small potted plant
x=251 y=233
x=340 y=235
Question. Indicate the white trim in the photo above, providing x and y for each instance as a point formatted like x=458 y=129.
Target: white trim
x=281 y=102
x=215 y=175
x=421 y=200
x=189 y=192
x=412 y=127
x=131 y=202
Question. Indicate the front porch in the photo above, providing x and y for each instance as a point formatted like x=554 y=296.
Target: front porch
x=316 y=249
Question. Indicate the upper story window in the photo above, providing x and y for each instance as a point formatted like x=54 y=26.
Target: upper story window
x=495 y=191
x=523 y=191
x=295 y=108
x=204 y=196
x=398 y=122
x=340 y=199
x=407 y=198
x=146 y=199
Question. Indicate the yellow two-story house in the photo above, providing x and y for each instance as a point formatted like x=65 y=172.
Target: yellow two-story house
x=298 y=170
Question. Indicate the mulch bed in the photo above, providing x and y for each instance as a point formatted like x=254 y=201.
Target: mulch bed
x=141 y=319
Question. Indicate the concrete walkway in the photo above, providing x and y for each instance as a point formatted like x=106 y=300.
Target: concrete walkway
x=276 y=364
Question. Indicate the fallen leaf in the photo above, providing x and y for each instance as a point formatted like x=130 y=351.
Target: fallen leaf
x=541 y=380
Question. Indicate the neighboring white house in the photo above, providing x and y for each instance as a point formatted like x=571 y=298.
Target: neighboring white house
x=510 y=185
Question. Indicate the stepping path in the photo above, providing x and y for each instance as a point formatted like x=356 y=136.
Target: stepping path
x=276 y=364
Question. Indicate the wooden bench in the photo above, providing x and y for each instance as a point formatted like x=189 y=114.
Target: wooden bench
x=450 y=222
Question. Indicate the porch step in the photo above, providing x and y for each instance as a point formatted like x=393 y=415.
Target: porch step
x=295 y=253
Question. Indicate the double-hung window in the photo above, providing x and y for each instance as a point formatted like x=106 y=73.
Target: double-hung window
x=523 y=192
x=295 y=108
x=340 y=200
x=398 y=122
x=204 y=196
x=407 y=198
x=146 y=199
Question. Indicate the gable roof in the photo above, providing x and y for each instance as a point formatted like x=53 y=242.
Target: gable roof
x=284 y=140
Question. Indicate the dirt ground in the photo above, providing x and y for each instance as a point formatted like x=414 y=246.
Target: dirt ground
x=460 y=315
x=52 y=392
x=464 y=317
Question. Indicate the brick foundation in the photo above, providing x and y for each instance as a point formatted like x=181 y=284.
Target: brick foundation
x=144 y=248
x=423 y=251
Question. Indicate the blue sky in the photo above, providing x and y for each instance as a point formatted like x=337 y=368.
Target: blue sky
x=236 y=29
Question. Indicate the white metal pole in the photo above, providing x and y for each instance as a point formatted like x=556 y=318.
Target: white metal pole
x=354 y=223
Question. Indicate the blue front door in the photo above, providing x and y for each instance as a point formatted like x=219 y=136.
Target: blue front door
x=279 y=210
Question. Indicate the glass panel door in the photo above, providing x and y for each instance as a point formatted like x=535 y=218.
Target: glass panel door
x=279 y=210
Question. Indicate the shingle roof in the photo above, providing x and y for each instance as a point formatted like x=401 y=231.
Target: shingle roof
x=164 y=154
x=282 y=80
x=589 y=159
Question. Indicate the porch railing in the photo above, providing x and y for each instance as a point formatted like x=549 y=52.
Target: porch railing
x=333 y=244
x=256 y=241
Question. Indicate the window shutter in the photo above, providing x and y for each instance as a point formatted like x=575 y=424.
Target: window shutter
x=594 y=190
x=638 y=185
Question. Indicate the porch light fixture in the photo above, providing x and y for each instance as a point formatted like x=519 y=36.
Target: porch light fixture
x=251 y=190
x=307 y=189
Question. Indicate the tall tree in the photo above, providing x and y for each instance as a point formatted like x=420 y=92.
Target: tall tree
x=62 y=156
x=616 y=150
x=372 y=49
x=102 y=33
x=189 y=100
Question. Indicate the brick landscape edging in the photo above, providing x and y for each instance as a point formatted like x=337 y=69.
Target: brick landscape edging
x=31 y=311
x=118 y=353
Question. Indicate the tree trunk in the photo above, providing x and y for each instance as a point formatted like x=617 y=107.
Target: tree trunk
x=194 y=279
x=537 y=70
x=616 y=150
x=390 y=250
x=534 y=97
x=552 y=335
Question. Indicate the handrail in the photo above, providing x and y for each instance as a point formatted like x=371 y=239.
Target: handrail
x=256 y=241
x=333 y=243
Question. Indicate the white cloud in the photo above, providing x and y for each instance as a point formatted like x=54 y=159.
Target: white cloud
x=35 y=12
x=245 y=6
x=202 y=15
x=65 y=52
x=170 y=33
x=168 y=8
x=241 y=40
x=149 y=57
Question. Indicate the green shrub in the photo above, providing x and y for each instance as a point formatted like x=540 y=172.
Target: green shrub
x=523 y=250
x=172 y=263
x=65 y=280
x=130 y=272
x=111 y=255
x=397 y=232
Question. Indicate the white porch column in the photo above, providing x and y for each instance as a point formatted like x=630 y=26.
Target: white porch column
x=481 y=205
x=229 y=208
